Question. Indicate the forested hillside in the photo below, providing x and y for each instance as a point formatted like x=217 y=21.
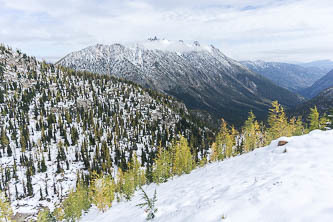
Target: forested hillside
x=59 y=127
x=71 y=140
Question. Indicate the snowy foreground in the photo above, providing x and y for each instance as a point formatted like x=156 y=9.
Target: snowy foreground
x=267 y=184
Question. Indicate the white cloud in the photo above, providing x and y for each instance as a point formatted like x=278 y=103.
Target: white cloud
x=284 y=30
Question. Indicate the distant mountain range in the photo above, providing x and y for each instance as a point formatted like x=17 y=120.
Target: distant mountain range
x=290 y=76
x=323 y=101
x=324 y=65
x=201 y=76
x=320 y=85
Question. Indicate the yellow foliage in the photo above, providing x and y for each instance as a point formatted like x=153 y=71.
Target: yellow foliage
x=162 y=166
x=225 y=141
x=251 y=133
x=6 y=212
x=182 y=161
x=214 y=153
x=277 y=121
x=102 y=192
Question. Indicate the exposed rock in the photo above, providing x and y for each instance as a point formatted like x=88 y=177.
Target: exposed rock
x=282 y=143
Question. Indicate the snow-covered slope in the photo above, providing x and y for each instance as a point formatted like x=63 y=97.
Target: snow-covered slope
x=287 y=183
x=54 y=123
x=201 y=76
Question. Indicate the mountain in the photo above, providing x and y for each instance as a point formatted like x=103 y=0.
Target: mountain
x=59 y=126
x=320 y=85
x=201 y=76
x=324 y=65
x=323 y=101
x=268 y=184
x=290 y=76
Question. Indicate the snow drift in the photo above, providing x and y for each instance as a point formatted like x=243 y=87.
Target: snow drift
x=293 y=182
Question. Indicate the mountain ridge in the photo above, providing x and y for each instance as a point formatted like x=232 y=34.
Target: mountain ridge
x=323 y=101
x=320 y=85
x=201 y=76
x=290 y=76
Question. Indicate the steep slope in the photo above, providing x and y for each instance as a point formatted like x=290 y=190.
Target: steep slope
x=320 y=85
x=201 y=76
x=290 y=76
x=288 y=183
x=323 y=101
x=58 y=124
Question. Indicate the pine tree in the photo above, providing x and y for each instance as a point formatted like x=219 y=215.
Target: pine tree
x=182 y=161
x=125 y=184
x=277 y=122
x=324 y=122
x=162 y=166
x=23 y=143
x=251 y=133
x=43 y=165
x=9 y=150
x=102 y=192
x=214 y=153
x=225 y=140
x=231 y=142
x=75 y=203
x=314 y=119
x=29 y=183
x=4 y=138
x=149 y=204
x=298 y=127
x=134 y=167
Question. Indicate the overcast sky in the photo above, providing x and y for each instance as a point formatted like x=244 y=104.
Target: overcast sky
x=272 y=30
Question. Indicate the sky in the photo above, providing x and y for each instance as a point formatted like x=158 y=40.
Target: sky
x=271 y=30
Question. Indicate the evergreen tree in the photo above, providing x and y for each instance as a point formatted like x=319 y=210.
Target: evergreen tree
x=43 y=165
x=102 y=192
x=214 y=156
x=4 y=138
x=299 y=128
x=277 y=122
x=162 y=166
x=182 y=161
x=225 y=141
x=134 y=167
x=251 y=133
x=29 y=183
x=75 y=203
x=314 y=119
x=149 y=204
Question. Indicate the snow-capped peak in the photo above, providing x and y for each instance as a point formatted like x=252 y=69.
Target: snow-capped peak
x=168 y=45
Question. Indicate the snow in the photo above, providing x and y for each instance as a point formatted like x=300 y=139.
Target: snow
x=115 y=94
x=288 y=183
x=171 y=46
